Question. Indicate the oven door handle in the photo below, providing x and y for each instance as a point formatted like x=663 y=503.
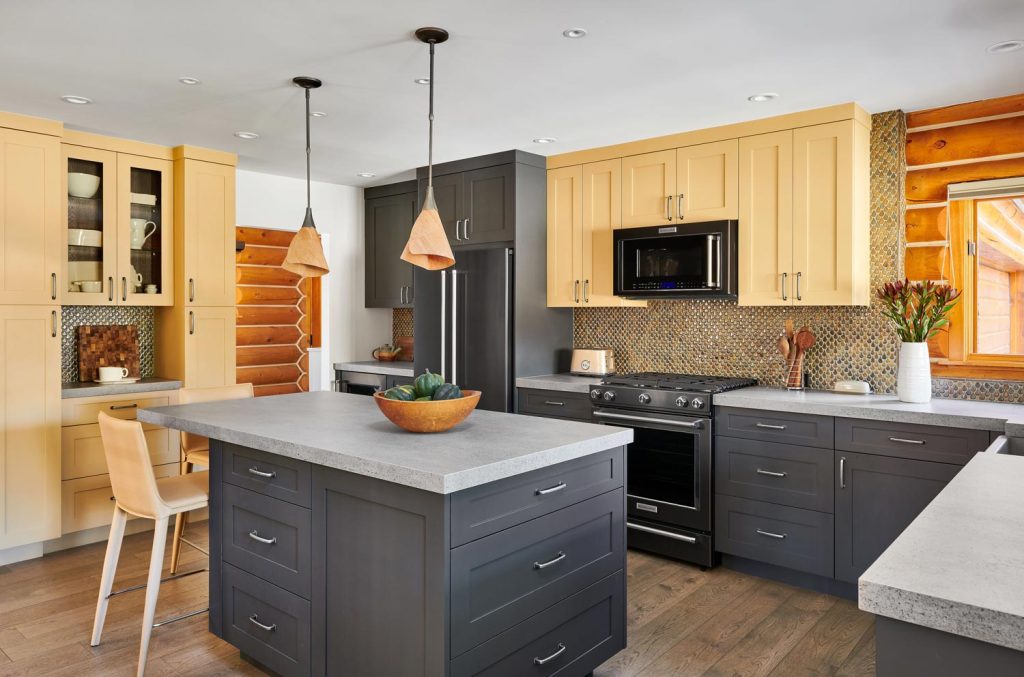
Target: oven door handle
x=661 y=532
x=643 y=419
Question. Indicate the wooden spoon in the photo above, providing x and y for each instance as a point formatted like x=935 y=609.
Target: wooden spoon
x=789 y=329
x=784 y=347
x=803 y=340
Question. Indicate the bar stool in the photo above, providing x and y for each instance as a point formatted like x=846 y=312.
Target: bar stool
x=138 y=492
x=195 y=449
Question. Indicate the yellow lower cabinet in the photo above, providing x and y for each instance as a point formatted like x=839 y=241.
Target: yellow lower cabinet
x=82 y=449
x=197 y=345
x=88 y=502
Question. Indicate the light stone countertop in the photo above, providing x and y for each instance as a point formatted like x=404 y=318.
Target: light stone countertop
x=566 y=383
x=147 y=385
x=348 y=432
x=395 y=368
x=968 y=414
x=957 y=567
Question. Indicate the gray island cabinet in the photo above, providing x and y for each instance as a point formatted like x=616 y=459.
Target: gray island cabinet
x=342 y=545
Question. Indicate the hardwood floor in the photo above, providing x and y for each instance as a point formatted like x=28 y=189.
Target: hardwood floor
x=681 y=621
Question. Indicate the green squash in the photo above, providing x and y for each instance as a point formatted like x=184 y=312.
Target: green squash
x=425 y=398
x=403 y=393
x=426 y=383
x=448 y=391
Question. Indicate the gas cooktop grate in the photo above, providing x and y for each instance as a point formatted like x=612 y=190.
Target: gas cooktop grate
x=690 y=382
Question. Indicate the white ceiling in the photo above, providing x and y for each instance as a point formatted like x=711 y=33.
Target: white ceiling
x=507 y=75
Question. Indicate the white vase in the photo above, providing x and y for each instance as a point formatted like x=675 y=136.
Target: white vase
x=914 y=379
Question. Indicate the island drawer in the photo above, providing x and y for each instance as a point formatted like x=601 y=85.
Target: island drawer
x=774 y=426
x=554 y=403
x=489 y=508
x=267 y=537
x=270 y=474
x=505 y=578
x=801 y=477
x=910 y=440
x=572 y=637
x=775 y=534
x=266 y=622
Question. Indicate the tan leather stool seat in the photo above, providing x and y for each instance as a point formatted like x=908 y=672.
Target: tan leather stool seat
x=185 y=492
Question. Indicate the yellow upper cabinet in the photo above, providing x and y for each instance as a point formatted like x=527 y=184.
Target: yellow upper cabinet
x=602 y=216
x=30 y=238
x=145 y=231
x=706 y=182
x=565 y=227
x=90 y=232
x=206 y=223
x=766 y=217
x=648 y=189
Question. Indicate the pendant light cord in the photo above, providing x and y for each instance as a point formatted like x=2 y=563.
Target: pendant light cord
x=430 y=134
x=307 y=149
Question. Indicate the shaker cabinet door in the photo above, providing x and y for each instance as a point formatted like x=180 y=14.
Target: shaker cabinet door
x=706 y=183
x=388 y=278
x=490 y=205
x=564 y=233
x=209 y=346
x=145 y=231
x=209 y=232
x=648 y=189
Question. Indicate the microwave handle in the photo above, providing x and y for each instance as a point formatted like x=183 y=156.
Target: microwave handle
x=714 y=263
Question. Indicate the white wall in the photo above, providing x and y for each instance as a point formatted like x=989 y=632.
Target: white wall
x=350 y=330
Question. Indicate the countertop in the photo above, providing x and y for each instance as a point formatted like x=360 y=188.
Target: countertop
x=395 y=368
x=566 y=383
x=969 y=414
x=146 y=385
x=957 y=567
x=348 y=432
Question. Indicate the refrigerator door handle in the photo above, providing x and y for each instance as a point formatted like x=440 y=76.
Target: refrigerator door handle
x=455 y=315
x=444 y=348
x=508 y=323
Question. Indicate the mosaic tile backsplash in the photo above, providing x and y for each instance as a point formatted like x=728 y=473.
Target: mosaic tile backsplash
x=73 y=316
x=401 y=323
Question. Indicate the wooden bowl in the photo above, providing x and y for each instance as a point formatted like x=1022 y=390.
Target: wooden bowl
x=385 y=357
x=432 y=416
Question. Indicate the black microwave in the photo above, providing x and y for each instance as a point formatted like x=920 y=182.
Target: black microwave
x=684 y=261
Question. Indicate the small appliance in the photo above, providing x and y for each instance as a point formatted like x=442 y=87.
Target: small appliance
x=592 y=362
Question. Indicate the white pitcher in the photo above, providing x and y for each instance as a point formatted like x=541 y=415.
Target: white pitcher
x=141 y=230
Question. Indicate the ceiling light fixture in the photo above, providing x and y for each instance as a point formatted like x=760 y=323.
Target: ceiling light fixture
x=77 y=100
x=762 y=97
x=545 y=139
x=318 y=114
x=366 y=175
x=189 y=81
x=1007 y=46
x=422 y=81
x=575 y=33
x=305 y=255
x=428 y=243
x=248 y=136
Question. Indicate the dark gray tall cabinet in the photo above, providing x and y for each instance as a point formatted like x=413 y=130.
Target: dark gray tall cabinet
x=390 y=213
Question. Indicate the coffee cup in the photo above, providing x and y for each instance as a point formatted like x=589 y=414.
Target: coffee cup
x=150 y=288
x=108 y=374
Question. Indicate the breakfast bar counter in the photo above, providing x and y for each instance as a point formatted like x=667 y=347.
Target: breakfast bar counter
x=341 y=544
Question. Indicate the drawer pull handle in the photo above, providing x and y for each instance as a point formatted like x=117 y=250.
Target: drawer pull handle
x=543 y=661
x=115 y=407
x=662 y=532
x=544 y=565
x=260 y=473
x=770 y=473
x=550 y=490
x=904 y=440
x=769 y=426
x=646 y=507
x=254 y=535
x=255 y=620
x=770 y=534
x=554 y=403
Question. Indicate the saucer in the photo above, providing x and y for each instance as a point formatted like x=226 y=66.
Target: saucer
x=118 y=381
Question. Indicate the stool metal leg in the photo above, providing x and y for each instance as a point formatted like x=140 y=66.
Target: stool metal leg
x=109 y=569
x=156 y=564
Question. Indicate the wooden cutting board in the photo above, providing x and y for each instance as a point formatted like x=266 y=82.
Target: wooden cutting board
x=107 y=345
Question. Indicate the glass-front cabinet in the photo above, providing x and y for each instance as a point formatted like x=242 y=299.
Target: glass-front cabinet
x=119 y=228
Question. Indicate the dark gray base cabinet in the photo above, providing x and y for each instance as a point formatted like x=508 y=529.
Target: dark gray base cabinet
x=908 y=650
x=315 y=571
x=555 y=404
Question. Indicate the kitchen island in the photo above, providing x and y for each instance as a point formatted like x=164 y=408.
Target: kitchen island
x=340 y=544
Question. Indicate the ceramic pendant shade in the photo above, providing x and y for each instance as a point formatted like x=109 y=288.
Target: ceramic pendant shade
x=305 y=255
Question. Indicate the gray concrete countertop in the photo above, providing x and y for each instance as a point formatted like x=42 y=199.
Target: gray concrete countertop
x=969 y=414
x=395 y=368
x=348 y=432
x=566 y=383
x=146 y=385
x=957 y=567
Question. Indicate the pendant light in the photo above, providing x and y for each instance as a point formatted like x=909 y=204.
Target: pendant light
x=306 y=253
x=428 y=243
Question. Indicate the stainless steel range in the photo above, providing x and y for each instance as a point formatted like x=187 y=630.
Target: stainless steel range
x=669 y=464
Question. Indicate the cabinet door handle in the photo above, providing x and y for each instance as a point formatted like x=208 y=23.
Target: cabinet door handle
x=255 y=620
x=53 y=286
x=798 y=296
x=575 y=291
x=554 y=403
x=124 y=288
x=679 y=206
x=542 y=661
x=254 y=535
x=110 y=289
x=550 y=490
x=465 y=230
x=770 y=534
x=668 y=208
x=116 y=407
x=191 y=290
x=458 y=222
x=784 y=281
x=904 y=440
x=554 y=560
x=191 y=322
x=261 y=473
x=53 y=323
x=769 y=426
x=770 y=473
x=842 y=472
x=401 y=295
x=586 y=291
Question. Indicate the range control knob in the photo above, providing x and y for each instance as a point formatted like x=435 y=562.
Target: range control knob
x=644 y=398
x=682 y=402
x=608 y=396
x=697 y=403
x=595 y=394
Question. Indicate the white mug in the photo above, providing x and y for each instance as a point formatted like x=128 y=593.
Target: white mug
x=140 y=232
x=113 y=373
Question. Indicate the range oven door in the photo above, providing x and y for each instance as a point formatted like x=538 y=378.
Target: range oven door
x=668 y=467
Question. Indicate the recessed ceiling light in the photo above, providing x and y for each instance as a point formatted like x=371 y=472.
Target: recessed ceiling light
x=366 y=175
x=574 y=33
x=762 y=97
x=77 y=100
x=1004 y=47
x=422 y=81
x=318 y=114
x=189 y=81
x=545 y=139
x=247 y=135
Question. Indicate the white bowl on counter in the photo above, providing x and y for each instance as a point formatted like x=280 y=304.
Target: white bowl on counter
x=83 y=185
x=85 y=238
